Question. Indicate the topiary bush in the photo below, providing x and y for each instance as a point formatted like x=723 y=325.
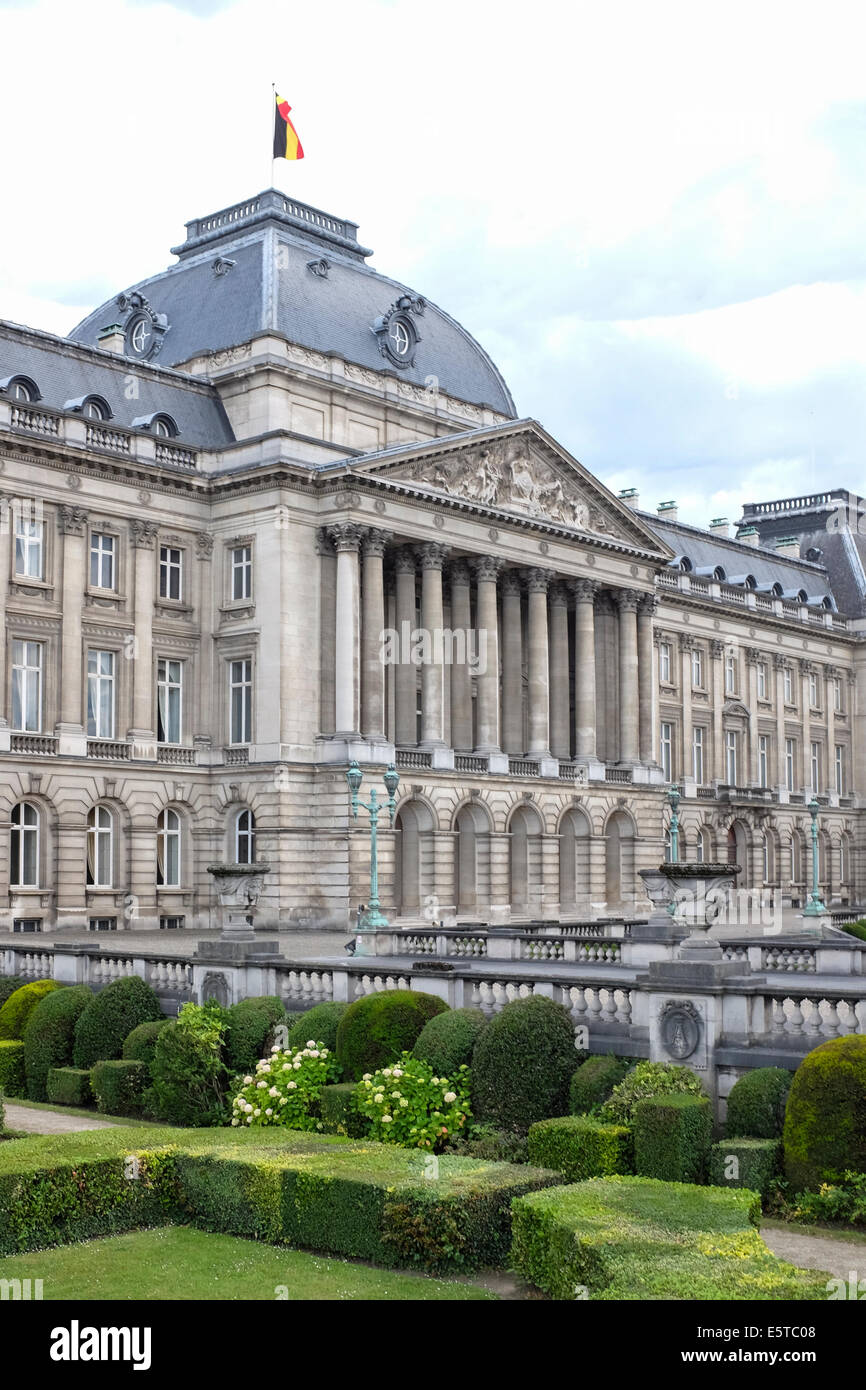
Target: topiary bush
x=320 y=1022
x=672 y=1137
x=12 y=1079
x=337 y=1110
x=50 y=1035
x=522 y=1064
x=20 y=1005
x=644 y=1081
x=857 y=929
x=140 y=1046
x=580 y=1148
x=751 y=1163
x=825 y=1119
x=69 y=1086
x=594 y=1081
x=250 y=1031
x=119 y=1086
x=756 y=1105
x=8 y=985
x=189 y=1075
x=448 y=1040
x=110 y=1017
x=376 y=1030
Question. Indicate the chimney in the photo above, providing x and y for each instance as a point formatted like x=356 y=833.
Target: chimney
x=631 y=497
x=667 y=511
x=788 y=547
x=749 y=536
x=720 y=526
x=112 y=340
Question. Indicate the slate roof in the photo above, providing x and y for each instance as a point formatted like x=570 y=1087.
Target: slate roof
x=706 y=550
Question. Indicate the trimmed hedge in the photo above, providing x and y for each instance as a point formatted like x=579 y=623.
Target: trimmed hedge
x=593 y=1082
x=69 y=1086
x=376 y=1030
x=12 y=1076
x=825 y=1119
x=140 y=1046
x=110 y=1018
x=857 y=929
x=522 y=1064
x=579 y=1148
x=638 y=1238
x=188 y=1073
x=645 y=1081
x=448 y=1041
x=320 y=1022
x=337 y=1110
x=50 y=1035
x=672 y=1137
x=250 y=1030
x=8 y=985
x=756 y=1105
x=20 y=1005
x=119 y=1086
x=757 y=1161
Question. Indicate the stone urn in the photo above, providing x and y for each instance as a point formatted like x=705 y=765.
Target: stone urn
x=662 y=925
x=238 y=887
x=698 y=893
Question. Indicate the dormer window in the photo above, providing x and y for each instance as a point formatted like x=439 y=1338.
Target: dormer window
x=160 y=424
x=92 y=407
x=20 y=388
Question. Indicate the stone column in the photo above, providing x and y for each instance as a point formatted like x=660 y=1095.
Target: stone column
x=687 y=643
x=486 y=570
x=405 y=672
x=432 y=559
x=560 y=733
x=142 y=538
x=347 y=539
x=646 y=681
x=6 y=527
x=584 y=591
x=372 y=628
x=204 y=729
x=512 y=663
x=70 y=727
x=753 y=656
x=626 y=601
x=779 y=664
x=461 y=671
x=829 y=673
x=717 y=654
x=537 y=581
x=806 y=669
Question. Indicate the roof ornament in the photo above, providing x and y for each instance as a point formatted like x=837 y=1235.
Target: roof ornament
x=396 y=331
x=143 y=330
x=319 y=268
x=222 y=265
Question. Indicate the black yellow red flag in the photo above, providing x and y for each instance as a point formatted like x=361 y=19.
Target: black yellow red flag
x=286 y=142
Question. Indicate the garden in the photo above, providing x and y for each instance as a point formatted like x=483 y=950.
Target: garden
x=431 y=1144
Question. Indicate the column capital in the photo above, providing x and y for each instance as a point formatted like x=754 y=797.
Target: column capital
x=73 y=520
x=832 y=672
x=807 y=667
x=459 y=572
x=537 y=580
x=717 y=646
x=584 y=590
x=626 y=600
x=780 y=661
x=432 y=555
x=647 y=605
x=375 y=541
x=558 y=594
x=142 y=534
x=487 y=567
x=346 y=535
x=512 y=583
x=204 y=543
x=404 y=560
x=687 y=641
x=753 y=656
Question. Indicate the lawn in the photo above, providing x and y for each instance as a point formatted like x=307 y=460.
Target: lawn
x=179 y=1262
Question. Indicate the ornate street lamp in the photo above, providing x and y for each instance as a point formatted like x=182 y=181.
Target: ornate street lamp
x=373 y=919
x=674 y=799
x=815 y=906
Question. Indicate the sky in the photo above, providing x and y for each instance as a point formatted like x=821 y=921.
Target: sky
x=651 y=216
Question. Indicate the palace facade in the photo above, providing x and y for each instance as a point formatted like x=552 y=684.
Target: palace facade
x=269 y=511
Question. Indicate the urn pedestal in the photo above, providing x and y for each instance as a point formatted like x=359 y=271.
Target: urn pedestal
x=238 y=887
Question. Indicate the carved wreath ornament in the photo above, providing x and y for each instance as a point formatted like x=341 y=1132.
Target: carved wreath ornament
x=680 y=1028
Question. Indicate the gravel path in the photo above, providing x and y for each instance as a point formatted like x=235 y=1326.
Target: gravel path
x=21 y=1117
x=837 y=1257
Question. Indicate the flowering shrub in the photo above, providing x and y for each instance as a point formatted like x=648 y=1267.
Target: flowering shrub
x=408 y=1104
x=286 y=1087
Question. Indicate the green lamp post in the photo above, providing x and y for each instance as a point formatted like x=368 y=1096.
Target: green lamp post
x=815 y=906
x=373 y=919
x=674 y=799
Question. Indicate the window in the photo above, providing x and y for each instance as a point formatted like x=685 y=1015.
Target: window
x=101 y=561
x=169 y=704
x=100 y=694
x=168 y=849
x=165 y=427
x=765 y=853
x=788 y=682
x=665 y=662
x=844 y=860
x=26 y=925
x=731 y=756
x=242 y=572
x=171 y=923
x=170 y=572
x=761 y=670
x=702 y=855
x=100 y=848
x=669 y=845
x=813 y=690
x=698 y=755
x=27 y=687
x=29 y=543
x=240 y=700
x=667 y=751
x=94 y=408
x=763 y=760
x=21 y=389
x=24 y=848
x=245 y=838
x=837 y=694
x=790 y=763
x=697 y=667
x=730 y=673
x=815 y=767
x=839 y=762
x=102 y=924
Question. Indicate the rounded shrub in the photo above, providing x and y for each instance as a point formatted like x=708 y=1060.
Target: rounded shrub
x=20 y=1005
x=825 y=1120
x=376 y=1030
x=448 y=1040
x=140 y=1046
x=250 y=1032
x=320 y=1022
x=119 y=1087
x=593 y=1082
x=110 y=1017
x=8 y=985
x=756 y=1105
x=50 y=1035
x=646 y=1081
x=522 y=1064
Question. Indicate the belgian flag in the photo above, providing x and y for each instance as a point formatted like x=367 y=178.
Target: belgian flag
x=286 y=142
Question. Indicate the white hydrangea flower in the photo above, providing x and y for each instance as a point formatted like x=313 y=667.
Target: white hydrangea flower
x=368 y=1076
x=261 y=1085
x=269 y=1111
x=403 y=1101
x=311 y=1042
x=235 y=1121
x=386 y=1119
x=257 y=1113
x=292 y=1085
x=273 y=1091
x=248 y=1081
x=275 y=1048
x=397 y=1071
x=450 y=1097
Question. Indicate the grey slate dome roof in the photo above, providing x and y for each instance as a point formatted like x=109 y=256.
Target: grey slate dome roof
x=272 y=264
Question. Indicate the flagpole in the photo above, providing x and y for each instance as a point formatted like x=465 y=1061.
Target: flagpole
x=270 y=182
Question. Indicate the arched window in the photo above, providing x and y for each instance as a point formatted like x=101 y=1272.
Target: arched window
x=702 y=846
x=24 y=856
x=164 y=426
x=100 y=848
x=168 y=857
x=95 y=408
x=668 y=845
x=20 y=388
x=245 y=838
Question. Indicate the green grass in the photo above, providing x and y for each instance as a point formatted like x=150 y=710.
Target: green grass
x=179 y=1262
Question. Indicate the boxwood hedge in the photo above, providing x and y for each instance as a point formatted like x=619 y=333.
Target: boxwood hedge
x=119 y=1086
x=756 y=1105
x=594 y=1081
x=320 y=1022
x=69 y=1086
x=825 y=1118
x=250 y=1028
x=140 y=1046
x=579 y=1148
x=751 y=1163
x=672 y=1137
x=110 y=1017
x=49 y=1036
x=20 y=1005
x=522 y=1064
x=448 y=1041
x=12 y=1077
x=377 y=1029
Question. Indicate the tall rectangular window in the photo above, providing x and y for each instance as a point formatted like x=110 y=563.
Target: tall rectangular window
x=761 y=670
x=731 y=756
x=837 y=694
x=730 y=673
x=170 y=572
x=29 y=543
x=169 y=705
x=698 y=755
x=839 y=763
x=666 y=744
x=242 y=572
x=100 y=694
x=241 y=700
x=27 y=687
x=788 y=682
x=790 y=764
x=101 y=561
x=814 y=701
x=665 y=663
x=763 y=759
x=697 y=668
x=815 y=766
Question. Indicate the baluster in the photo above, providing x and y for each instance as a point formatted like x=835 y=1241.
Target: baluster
x=594 y=1002
x=609 y=1006
x=623 y=1011
x=814 y=1022
x=795 y=1019
x=777 y=1027
x=832 y=1023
